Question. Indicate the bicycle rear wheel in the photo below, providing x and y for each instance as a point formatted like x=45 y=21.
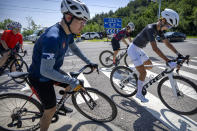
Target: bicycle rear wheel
x=106 y=58
x=20 y=66
x=128 y=62
x=94 y=105
x=19 y=112
x=124 y=81
x=186 y=101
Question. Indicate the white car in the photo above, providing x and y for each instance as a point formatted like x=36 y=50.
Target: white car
x=90 y=35
x=34 y=37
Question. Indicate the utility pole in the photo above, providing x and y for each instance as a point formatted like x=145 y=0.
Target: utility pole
x=159 y=1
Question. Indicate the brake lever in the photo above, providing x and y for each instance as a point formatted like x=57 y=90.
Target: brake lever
x=187 y=58
x=97 y=69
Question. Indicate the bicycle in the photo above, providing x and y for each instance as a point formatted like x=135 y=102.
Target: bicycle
x=172 y=90
x=90 y=102
x=106 y=58
x=15 y=61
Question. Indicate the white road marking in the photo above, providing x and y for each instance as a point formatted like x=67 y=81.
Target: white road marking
x=86 y=83
x=192 y=60
x=183 y=73
x=158 y=110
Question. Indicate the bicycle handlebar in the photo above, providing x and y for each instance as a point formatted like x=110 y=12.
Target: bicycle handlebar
x=88 y=66
x=179 y=60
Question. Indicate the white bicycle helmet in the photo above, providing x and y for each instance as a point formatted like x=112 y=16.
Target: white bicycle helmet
x=75 y=7
x=171 y=17
x=16 y=25
x=131 y=25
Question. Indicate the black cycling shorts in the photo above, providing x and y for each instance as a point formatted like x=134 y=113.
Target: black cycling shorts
x=115 y=44
x=45 y=91
x=2 y=50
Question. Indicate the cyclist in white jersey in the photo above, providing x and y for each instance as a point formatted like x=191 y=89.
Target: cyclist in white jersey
x=169 y=19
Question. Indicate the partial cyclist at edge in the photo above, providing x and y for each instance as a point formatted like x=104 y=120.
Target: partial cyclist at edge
x=121 y=35
x=9 y=40
x=169 y=19
x=48 y=57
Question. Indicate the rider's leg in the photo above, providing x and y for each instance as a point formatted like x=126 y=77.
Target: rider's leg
x=149 y=63
x=46 y=93
x=116 y=47
x=4 y=58
x=14 y=67
x=139 y=58
x=45 y=121
x=114 y=56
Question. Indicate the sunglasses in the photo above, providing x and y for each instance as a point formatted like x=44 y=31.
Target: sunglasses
x=168 y=26
x=128 y=28
x=82 y=21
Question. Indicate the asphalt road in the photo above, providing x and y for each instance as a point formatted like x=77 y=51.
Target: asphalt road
x=132 y=114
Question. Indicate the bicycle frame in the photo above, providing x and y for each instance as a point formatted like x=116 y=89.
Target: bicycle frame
x=65 y=94
x=120 y=56
x=167 y=71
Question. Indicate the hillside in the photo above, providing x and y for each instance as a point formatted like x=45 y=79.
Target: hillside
x=143 y=12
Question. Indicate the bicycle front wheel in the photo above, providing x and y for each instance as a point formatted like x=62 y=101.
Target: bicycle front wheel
x=124 y=81
x=20 y=66
x=185 y=102
x=106 y=58
x=18 y=112
x=94 y=105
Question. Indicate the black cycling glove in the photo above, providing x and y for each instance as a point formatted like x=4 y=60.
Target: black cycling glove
x=93 y=65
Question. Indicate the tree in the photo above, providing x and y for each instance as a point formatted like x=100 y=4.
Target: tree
x=3 y=24
x=32 y=26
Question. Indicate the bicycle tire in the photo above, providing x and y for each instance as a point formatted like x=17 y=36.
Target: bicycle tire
x=25 y=118
x=129 y=85
x=107 y=59
x=21 y=66
x=128 y=62
x=163 y=91
x=104 y=111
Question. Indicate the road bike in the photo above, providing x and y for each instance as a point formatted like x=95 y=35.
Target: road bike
x=106 y=58
x=16 y=62
x=19 y=112
x=176 y=92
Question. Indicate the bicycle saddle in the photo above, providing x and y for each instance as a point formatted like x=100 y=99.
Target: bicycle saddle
x=18 y=74
x=74 y=74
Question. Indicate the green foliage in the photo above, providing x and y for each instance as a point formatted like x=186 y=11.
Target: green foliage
x=32 y=26
x=143 y=12
x=4 y=23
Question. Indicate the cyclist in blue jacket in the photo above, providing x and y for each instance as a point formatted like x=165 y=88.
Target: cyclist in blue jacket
x=48 y=56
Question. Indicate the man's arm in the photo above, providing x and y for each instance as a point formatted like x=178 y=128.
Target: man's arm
x=47 y=70
x=170 y=46
x=158 y=51
x=129 y=38
x=78 y=52
x=123 y=39
x=4 y=44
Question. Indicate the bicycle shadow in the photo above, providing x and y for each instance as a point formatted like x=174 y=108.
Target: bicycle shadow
x=10 y=85
x=79 y=125
x=137 y=111
x=184 y=123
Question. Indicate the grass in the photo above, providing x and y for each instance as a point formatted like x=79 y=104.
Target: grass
x=98 y=40
x=191 y=36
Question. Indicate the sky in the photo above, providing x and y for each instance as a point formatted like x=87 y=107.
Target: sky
x=47 y=12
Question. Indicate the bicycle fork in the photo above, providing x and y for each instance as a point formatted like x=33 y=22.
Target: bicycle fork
x=173 y=84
